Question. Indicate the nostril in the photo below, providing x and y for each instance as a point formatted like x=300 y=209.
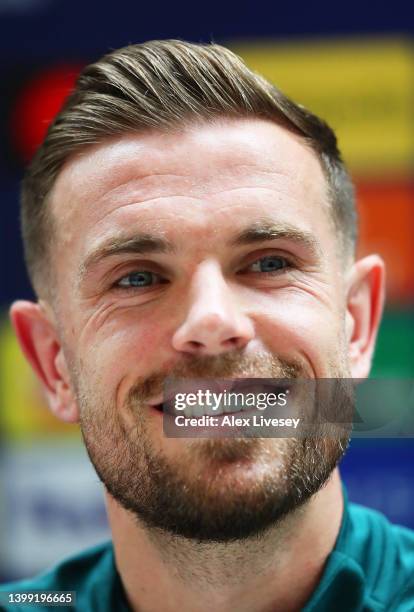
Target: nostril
x=194 y=344
x=232 y=341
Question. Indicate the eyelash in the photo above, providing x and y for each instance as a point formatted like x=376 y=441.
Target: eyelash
x=286 y=266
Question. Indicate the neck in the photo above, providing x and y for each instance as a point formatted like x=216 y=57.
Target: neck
x=276 y=571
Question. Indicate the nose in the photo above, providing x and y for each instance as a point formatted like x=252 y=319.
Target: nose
x=214 y=324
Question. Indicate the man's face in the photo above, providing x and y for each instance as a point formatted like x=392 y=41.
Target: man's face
x=209 y=252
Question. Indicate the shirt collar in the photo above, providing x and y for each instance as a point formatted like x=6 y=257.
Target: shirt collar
x=342 y=585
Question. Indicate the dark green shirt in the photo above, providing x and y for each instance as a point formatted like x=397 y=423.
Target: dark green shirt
x=371 y=568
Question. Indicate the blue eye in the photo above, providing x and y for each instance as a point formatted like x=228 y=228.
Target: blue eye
x=138 y=279
x=270 y=263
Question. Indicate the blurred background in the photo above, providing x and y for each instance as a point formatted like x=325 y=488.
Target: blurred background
x=354 y=68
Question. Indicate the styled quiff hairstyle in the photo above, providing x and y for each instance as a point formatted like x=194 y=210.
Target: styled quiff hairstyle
x=162 y=85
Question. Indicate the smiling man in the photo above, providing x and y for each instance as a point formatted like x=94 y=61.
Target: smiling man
x=184 y=218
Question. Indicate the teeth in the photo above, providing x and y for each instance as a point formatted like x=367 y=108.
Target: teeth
x=219 y=409
x=236 y=405
x=209 y=411
x=198 y=411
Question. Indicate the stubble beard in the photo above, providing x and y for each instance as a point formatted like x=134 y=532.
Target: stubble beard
x=219 y=490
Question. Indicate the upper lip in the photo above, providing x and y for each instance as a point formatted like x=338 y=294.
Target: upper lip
x=159 y=399
x=213 y=385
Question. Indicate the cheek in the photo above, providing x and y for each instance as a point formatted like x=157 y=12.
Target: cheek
x=304 y=329
x=124 y=350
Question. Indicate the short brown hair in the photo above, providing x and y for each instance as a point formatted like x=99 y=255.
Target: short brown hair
x=162 y=84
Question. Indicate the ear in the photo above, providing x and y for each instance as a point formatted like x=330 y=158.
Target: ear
x=39 y=341
x=365 y=303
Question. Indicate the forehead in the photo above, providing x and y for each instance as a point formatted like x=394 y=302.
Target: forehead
x=200 y=170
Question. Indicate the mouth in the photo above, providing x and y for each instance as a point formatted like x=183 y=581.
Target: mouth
x=226 y=401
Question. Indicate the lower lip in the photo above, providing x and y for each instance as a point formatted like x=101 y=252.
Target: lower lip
x=209 y=431
x=235 y=414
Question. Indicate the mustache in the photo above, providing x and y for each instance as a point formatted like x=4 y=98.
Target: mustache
x=227 y=365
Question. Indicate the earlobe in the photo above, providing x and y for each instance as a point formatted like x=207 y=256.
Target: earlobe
x=41 y=346
x=365 y=302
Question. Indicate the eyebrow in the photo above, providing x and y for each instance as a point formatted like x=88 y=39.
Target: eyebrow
x=145 y=243
x=140 y=244
x=262 y=231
